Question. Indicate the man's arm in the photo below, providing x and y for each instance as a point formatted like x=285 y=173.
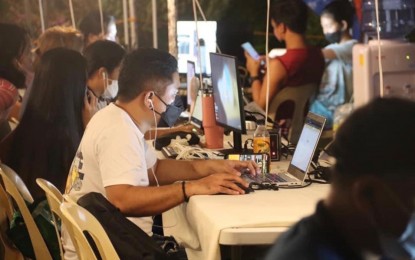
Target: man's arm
x=278 y=75
x=169 y=171
x=329 y=54
x=147 y=201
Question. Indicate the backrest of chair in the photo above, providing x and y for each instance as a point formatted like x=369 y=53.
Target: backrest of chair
x=6 y=213
x=55 y=198
x=83 y=221
x=11 y=185
x=20 y=185
x=299 y=95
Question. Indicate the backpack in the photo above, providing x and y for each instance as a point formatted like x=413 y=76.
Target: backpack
x=128 y=239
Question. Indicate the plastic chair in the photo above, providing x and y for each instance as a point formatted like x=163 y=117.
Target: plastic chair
x=6 y=214
x=83 y=221
x=55 y=198
x=15 y=187
x=299 y=95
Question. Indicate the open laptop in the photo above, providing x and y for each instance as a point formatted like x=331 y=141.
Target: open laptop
x=297 y=170
x=197 y=115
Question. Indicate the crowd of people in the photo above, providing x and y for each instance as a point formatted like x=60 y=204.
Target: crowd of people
x=84 y=105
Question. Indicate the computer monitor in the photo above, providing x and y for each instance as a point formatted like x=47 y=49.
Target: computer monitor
x=191 y=73
x=188 y=47
x=229 y=109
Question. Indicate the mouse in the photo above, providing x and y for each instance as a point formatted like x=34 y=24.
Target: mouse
x=246 y=189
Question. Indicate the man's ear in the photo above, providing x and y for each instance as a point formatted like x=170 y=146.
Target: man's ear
x=344 y=26
x=284 y=28
x=365 y=195
x=148 y=100
x=103 y=73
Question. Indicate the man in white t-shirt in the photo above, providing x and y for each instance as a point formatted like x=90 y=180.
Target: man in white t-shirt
x=114 y=159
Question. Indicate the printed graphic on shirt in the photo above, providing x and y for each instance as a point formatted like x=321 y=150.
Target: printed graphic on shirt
x=76 y=175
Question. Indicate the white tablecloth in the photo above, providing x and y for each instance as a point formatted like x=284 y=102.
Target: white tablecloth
x=197 y=224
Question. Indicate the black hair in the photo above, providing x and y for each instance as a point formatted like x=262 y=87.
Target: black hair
x=103 y=53
x=91 y=23
x=292 y=13
x=48 y=135
x=378 y=139
x=13 y=43
x=145 y=69
x=340 y=10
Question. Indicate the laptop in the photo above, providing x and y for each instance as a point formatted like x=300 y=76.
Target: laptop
x=196 y=117
x=297 y=170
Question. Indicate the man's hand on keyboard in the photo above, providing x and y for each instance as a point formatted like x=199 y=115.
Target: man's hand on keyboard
x=218 y=183
x=204 y=168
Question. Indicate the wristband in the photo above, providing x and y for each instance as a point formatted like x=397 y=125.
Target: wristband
x=186 y=199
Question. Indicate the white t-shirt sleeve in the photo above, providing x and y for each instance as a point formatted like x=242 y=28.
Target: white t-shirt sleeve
x=151 y=155
x=122 y=157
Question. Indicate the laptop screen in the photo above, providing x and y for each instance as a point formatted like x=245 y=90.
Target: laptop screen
x=191 y=73
x=307 y=143
x=197 y=115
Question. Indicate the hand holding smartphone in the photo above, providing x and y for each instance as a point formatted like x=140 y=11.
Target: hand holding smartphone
x=247 y=46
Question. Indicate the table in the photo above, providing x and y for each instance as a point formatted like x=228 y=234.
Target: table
x=206 y=222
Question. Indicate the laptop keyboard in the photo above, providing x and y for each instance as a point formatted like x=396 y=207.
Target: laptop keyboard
x=280 y=177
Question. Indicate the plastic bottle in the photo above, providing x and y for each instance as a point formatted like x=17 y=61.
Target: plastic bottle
x=262 y=140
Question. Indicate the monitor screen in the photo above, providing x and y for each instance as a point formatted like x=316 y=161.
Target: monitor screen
x=227 y=93
x=191 y=73
x=187 y=44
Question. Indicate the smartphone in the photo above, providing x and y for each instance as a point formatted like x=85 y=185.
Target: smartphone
x=247 y=46
x=261 y=159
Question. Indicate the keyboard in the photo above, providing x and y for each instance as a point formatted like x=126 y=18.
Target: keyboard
x=269 y=177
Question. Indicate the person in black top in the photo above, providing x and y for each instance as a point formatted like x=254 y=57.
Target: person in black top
x=370 y=210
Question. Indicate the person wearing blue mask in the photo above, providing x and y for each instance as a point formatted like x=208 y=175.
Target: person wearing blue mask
x=370 y=210
x=336 y=87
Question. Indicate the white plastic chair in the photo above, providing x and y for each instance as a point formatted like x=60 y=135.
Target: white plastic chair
x=16 y=188
x=6 y=214
x=299 y=95
x=83 y=221
x=55 y=198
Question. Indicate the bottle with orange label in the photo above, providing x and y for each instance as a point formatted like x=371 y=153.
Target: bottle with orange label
x=262 y=142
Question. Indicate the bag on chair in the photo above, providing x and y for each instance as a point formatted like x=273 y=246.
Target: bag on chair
x=19 y=234
x=129 y=240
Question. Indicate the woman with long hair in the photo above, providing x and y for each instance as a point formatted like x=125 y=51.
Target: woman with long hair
x=44 y=143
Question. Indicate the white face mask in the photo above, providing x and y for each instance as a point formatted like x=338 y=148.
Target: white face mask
x=111 y=89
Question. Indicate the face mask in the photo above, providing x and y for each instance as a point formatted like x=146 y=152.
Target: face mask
x=171 y=114
x=402 y=247
x=333 y=37
x=111 y=90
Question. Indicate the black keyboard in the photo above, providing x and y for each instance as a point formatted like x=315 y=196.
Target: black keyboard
x=281 y=177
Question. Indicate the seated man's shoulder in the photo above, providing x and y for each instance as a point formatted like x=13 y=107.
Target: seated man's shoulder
x=299 y=242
